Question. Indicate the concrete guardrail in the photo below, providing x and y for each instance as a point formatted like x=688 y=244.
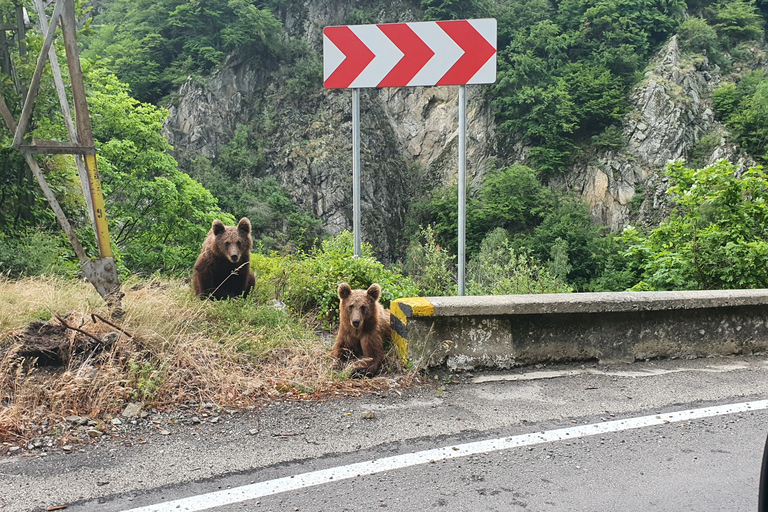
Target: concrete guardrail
x=512 y=330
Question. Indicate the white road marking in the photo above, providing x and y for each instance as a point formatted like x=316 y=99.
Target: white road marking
x=653 y=372
x=324 y=476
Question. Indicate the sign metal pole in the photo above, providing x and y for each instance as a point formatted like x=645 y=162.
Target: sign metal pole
x=462 y=184
x=356 y=169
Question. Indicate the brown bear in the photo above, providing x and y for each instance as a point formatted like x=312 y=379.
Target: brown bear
x=364 y=328
x=223 y=269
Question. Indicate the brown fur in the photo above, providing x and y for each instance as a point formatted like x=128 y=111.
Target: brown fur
x=364 y=328
x=226 y=249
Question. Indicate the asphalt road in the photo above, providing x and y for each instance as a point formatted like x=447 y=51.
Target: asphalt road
x=709 y=463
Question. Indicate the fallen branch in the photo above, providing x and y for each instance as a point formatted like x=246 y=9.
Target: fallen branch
x=94 y=316
x=65 y=324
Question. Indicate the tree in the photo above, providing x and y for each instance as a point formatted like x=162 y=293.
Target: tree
x=738 y=20
x=158 y=215
x=156 y=45
x=716 y=237
x=455 y=9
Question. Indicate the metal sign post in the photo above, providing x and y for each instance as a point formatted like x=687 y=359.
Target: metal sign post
x=427 y=53
x=462 y=185
x=356 y=169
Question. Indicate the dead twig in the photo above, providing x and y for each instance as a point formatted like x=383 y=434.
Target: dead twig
x=233 y=273
x=94 y=316
x=65 y=324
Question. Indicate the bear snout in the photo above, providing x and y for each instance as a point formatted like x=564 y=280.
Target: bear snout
x=356 y=323
x=234 y=257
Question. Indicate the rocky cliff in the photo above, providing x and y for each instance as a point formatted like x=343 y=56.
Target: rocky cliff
x=671 y=113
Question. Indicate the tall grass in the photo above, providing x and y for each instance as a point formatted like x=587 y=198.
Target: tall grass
x=170 y=348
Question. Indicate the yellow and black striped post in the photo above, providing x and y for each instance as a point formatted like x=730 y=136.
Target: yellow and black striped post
x=401 y=310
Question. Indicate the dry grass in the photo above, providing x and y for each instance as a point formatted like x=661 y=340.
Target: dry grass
x=169 y=348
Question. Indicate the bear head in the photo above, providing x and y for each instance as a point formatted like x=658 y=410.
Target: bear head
x=230 y=242
x=358 y=307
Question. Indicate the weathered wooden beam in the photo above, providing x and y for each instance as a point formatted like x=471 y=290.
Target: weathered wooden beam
x=34 y=86
x=83 y=121
x=7 y=116
x=67 y=114
x=52 y=147
x=7 y=26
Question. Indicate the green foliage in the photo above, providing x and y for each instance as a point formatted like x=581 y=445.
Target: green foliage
x=514 y=200
x=308 y=282
x=564 y=78
x=744 y=109
x=566 y=222
x=750 y=124
x=703 y=149
x=33 y=252
x=145 y=378
x=430 y=266
x=455 y=9
x=696 y=35
x=441 y=213
x=155 y=45
x=737 y=20
x=612 y=137
x=717 y=237
x=499 y=269
x=618 y=268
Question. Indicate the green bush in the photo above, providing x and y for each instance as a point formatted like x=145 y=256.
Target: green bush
x=498 y=269
x=34 y=252
x=696 y=35
x=430 y=265
x=715 y=237
x=308 y=282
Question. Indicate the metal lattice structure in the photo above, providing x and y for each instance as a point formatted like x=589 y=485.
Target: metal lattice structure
x=101 y=271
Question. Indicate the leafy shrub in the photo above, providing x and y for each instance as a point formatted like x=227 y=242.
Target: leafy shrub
x=498 y=269
x=34 y=252
x=308 y=282
x=430 y=265
x=611 y=137
x=715 y=237
x=696 y=35
x=738 y=20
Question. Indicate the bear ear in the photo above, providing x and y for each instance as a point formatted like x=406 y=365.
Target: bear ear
x=344 y=291
x=244 y=225
x=217 y=227
x=374 y=291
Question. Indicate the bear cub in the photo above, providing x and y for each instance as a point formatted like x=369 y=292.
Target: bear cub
x=364 y=328
x=223 y=269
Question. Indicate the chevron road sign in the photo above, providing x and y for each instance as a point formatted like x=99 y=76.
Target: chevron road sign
x=410 y=54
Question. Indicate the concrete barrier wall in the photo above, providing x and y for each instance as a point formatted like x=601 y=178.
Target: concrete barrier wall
x=511 y=330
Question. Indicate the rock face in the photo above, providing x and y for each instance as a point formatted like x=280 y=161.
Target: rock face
x=670 y=113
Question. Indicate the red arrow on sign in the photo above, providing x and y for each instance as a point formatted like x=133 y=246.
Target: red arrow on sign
x=403 y=54
x=415 y=54
x=358 y=56
x=477 y=51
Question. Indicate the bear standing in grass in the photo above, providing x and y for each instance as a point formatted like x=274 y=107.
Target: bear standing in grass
x=223 y=269
x=364 y=327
